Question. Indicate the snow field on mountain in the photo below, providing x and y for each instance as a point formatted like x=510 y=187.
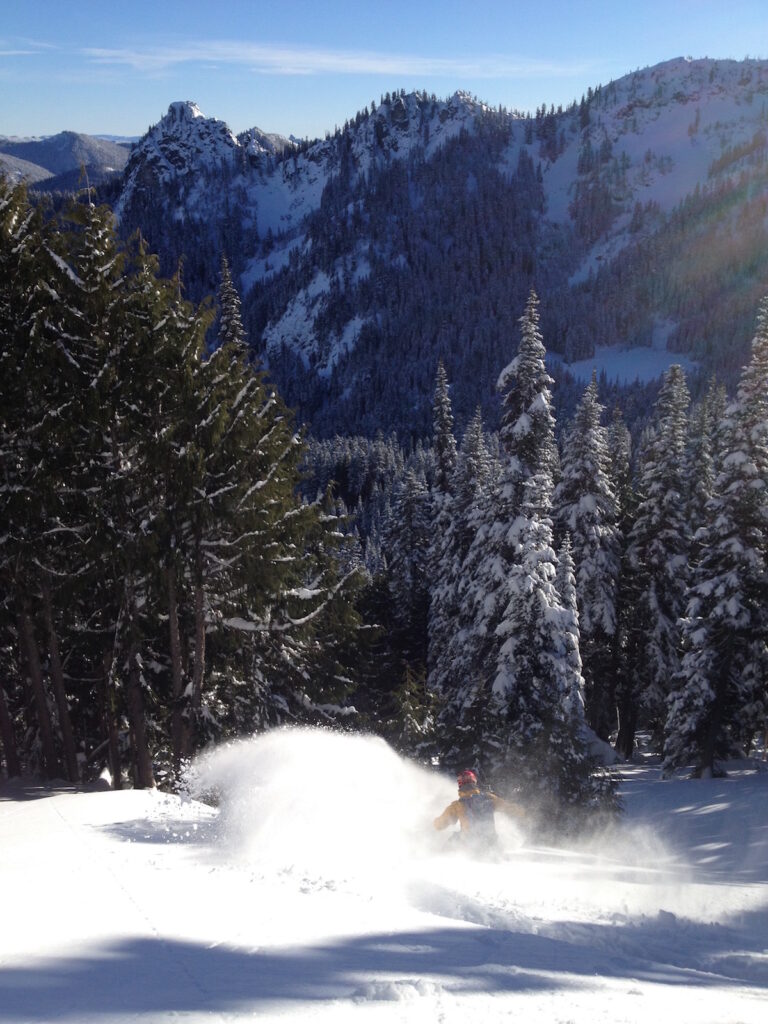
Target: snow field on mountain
x=317 y=890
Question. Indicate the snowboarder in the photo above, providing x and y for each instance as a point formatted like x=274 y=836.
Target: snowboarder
x=474 y=811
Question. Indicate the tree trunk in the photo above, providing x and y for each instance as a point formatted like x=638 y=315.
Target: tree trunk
x=32 y=655
x=177 y=673
x=110 y=723
x=143 y=774
x=12 y=763
x=705 y=768
x=625 y=739
x=198 y=671
x=59 y=691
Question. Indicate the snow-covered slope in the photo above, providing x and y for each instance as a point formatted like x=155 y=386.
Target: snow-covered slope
x=670 y=129
x=318 y=892
x=16 y=169
x=185 y=141
x=65 y=152
x=622 y=210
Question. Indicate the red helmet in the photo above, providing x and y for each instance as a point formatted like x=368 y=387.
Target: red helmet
x=466 y=778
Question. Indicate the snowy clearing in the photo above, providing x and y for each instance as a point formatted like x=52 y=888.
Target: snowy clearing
x=319 y=891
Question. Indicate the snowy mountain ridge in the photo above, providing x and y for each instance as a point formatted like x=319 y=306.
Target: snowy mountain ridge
x=619 y=210
x=185 y=140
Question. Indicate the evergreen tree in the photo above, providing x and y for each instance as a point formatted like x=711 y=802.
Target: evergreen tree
x=586 y=509
x=625 y=637
x=452 y=613
x=407 y=540
x=526 y=431
x=537 y=680
x=528 y=448
x=157 y=544
x=721 y=699
x=565 y=581
x=525 y=677
x=444 y=442
x=230 y=326
x=27 y=419
x=659 y=548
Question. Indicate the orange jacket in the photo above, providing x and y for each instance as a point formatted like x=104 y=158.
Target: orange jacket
x=457 y=811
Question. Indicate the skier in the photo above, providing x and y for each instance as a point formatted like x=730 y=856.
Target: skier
x=474 y=811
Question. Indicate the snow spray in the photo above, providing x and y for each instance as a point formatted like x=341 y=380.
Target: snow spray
x=332 y=810
x=321 y=803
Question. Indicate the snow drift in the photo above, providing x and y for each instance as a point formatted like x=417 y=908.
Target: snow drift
x=313 y=892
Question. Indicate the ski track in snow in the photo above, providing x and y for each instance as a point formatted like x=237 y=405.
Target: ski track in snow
x=318 y=891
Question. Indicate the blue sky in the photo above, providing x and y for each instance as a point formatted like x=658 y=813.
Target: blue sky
x=305 y=66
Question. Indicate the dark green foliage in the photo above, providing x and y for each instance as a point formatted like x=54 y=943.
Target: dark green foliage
x=163 y=581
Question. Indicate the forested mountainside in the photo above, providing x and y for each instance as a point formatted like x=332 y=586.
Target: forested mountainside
x=414 y=233
x=179 y=565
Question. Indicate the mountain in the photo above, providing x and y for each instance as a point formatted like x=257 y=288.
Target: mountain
x=58 y=159
x=416 y=231
x=22 y=170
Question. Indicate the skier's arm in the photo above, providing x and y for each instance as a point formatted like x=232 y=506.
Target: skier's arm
x=508 y=808
x=449 y=816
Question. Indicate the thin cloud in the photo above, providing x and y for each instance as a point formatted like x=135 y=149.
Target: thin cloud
x=285 y=60
x=17 y=46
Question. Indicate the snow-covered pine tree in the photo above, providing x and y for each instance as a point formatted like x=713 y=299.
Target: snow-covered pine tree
x=443 y=563
x=586 y=509
x=624 y=689
x=412 y=726
x=453 y=660
x=720 y=700
x=526 y=439
x=523 y=635
x=526 y=430
x=544 y=749
x=444 y=442
x=230 y=322
x=659 y=549
x=565 y=581
x=705 y=419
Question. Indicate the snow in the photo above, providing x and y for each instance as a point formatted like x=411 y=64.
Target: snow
x=626 y=365
x=317 y=891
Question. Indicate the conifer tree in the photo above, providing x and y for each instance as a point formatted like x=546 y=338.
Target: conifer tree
x=444 y=442
x=453 y=648
x=526 y=438
x=586 y=509
x=659 y=550
x=407 y=538
x=526 y=675
x=565 y=581
x=721 y=698
x=157 y=543
x=230 y=326
x=26 y=420
x=625 y=691
x=526 y=430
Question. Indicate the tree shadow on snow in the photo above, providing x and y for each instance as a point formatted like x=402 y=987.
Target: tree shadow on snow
x=152 y=976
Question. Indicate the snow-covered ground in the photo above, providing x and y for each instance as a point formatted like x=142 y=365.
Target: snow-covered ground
x=626 y=365
x=318 y=892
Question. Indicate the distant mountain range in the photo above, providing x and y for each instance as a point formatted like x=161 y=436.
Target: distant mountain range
x=415 y=232
x=58 y=160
